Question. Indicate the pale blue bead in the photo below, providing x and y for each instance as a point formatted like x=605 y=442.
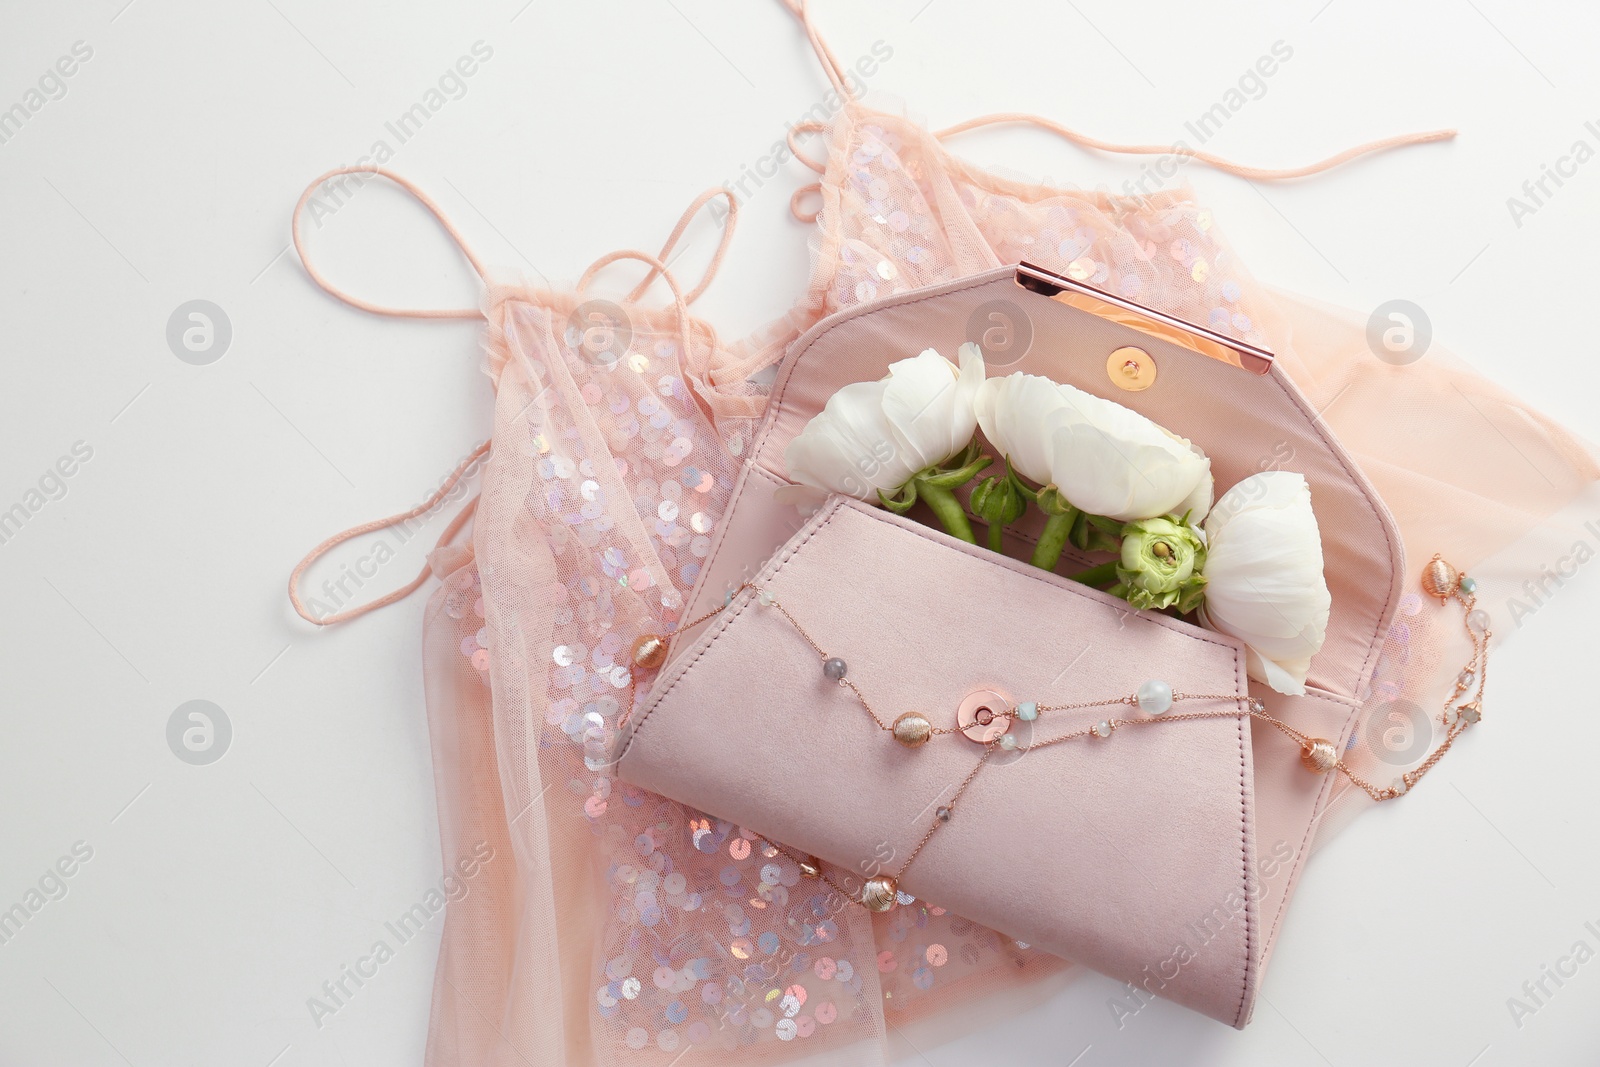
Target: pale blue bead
x=1027 y=711
x=1155 y=697
x=834 y=668
x=1469 y=585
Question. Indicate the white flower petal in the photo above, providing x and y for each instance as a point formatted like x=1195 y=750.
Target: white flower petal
x=1264 y=580
x=923 y=403
x=818 y=458
x=1110 y=460
x=1013 y=412
x=875 y=435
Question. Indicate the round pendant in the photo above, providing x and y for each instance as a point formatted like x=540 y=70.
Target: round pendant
x=649 y=651
x=1321 y=757
x=912 y=729
x=878 y=893
x=984 y=716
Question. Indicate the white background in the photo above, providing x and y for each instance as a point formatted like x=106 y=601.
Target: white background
x=218 y=898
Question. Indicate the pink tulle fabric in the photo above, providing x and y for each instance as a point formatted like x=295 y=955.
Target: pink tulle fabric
x=614 y=927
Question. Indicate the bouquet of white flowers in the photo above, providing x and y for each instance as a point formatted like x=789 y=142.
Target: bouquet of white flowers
x=1107 y=479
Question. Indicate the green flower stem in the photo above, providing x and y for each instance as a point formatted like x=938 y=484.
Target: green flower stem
x=997 y=537
x=948 y=508
x=1052 y=539
x=1099 y=576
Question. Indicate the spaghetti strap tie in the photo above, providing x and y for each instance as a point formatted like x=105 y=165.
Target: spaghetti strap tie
x=410 y=587
x=460 y=520
x=658 y=261
x=1213 y=161
x=422 y=198
x=830 y=62
x=836 y=76
x=707 y=363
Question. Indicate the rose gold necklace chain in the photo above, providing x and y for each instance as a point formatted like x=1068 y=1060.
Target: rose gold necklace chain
x=912 y=730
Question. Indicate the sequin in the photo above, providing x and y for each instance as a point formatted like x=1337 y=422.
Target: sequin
x=937 y=955
x=826 y=1012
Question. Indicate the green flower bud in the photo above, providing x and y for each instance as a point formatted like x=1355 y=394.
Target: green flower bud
x=1161 y=564
x=998 y=500
x=1051 y=502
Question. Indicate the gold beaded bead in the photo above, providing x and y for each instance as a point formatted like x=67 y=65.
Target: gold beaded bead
x=878 y=893
x=1320 y=756
x=1440 y=579
x=649 y=651
x=912 y=729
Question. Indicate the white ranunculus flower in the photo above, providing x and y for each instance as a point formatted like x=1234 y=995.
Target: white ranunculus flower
x=1013 y=412
x=1264 y=582
x=874 y=436
x=1105 y=458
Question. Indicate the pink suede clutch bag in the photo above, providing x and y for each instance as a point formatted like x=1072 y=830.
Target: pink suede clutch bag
x=1163 y=856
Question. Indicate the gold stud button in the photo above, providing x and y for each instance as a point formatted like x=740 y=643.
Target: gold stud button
x=1131 y=369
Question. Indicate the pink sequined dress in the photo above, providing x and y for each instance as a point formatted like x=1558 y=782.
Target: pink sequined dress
x=612 y=926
